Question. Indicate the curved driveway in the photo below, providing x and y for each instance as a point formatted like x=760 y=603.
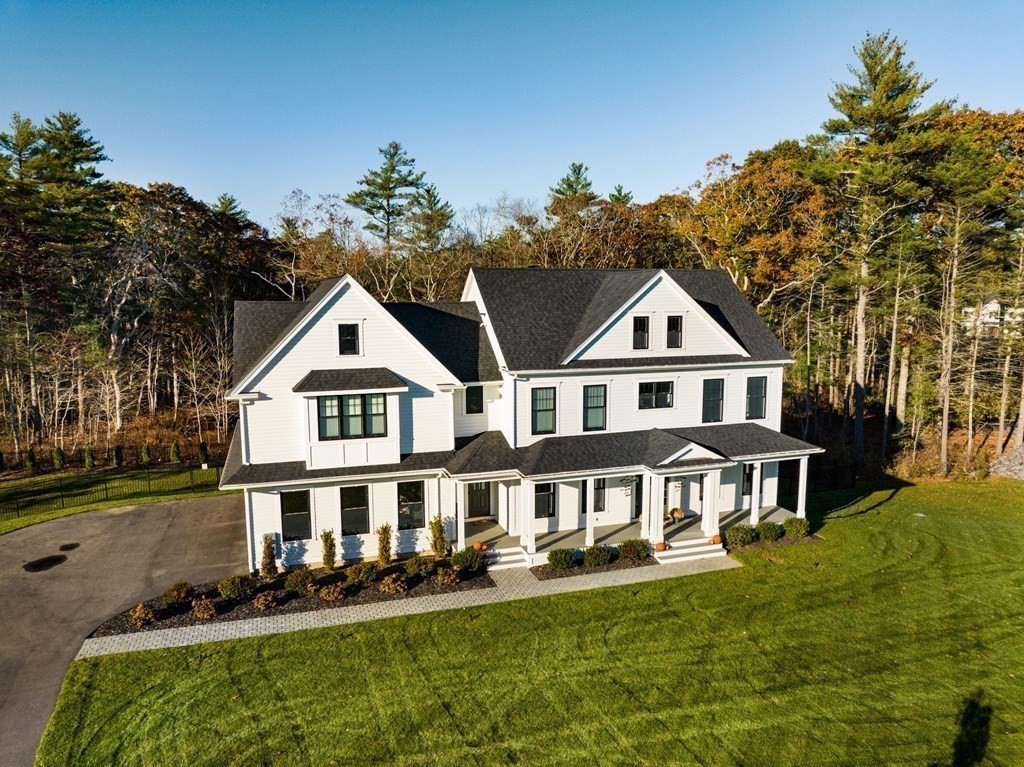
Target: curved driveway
x=124 y=556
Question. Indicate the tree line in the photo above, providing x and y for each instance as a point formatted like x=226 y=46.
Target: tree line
x=886 y=250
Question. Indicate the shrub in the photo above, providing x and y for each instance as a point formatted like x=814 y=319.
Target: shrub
x=438 y=540
x=141 y=615
x=268 y=562
x=418 y=566
x=446 y=577
x=298 y=581
x=384 y=545
x=178 y=594
x=362 y=573
x=739 y=536
x=204 y=608
x=265 y=600
x=597 y=555
x=31 y=464
x=635 y=549
x=204 y=453
x=394 y=584
x=236 y=587
x=796 y=527
x=144 y=455
x=175 y=452
x=330 y=551
x=468 y=559
x=332 y=592
x=118 y=459
x=89 y=458
x=58 y=458
x=768 y=531
x=561 y=559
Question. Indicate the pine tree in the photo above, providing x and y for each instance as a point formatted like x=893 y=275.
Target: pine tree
x=620 y=196
x=573 y=194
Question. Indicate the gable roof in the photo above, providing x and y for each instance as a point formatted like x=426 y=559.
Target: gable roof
x=351 y=379
x=540 y=316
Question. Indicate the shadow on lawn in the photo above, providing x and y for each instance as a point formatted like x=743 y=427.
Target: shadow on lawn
x=972 y=733
x=840 y=504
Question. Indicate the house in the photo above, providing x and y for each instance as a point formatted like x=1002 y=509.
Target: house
x=548 y=408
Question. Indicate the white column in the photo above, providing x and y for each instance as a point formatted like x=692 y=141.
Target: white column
x=460 y=495
x=801 y=490
x=589 y=485
x=527 y=538
x=755 y=495
x=657 y=508
x=645 y=506
x=708 y=510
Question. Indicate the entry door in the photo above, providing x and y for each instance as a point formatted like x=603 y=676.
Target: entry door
x=479 y=504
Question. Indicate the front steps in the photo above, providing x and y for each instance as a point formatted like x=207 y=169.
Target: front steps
x=503 y=559
x=688 y=550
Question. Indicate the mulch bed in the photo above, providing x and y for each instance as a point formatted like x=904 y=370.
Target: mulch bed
x=288 y=603
x=546 y=572
x=785 y=540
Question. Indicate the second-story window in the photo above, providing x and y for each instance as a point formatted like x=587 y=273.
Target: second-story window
x=655 y=394
x=757 y=394
x=594 y=407
x=674 y=337
x=641 y=332
x=543 y=410
x=352 y=416
x=714 y=391
x=348 y=339
x=474 y=400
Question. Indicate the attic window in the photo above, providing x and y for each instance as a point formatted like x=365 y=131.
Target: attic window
x=641 y=332
x=674 y=340
x=348 y=339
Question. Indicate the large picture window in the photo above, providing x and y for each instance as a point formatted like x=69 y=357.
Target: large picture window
x=348 y=339
x=351 y=416
x=355 y=510
x=543 y=410
x=474 y=400
x=655 y=394
x=411 y=514
x=641 y=332
x=674 y=337
x=757 y=395
x=714 y=391
x=595 y=407
x=295 y=519
x=544 y=500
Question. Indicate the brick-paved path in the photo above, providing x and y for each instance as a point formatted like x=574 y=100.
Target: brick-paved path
x=518 y=583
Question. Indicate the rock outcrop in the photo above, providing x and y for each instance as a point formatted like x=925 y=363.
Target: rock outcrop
x=1010 y=464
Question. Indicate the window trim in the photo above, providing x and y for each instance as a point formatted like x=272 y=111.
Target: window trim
x=341 y=509
x=365 y=416
x=763 y=398
x=308 y=514
x=422 y=502
x=682 y=331
x=553 y=410
x=646 y=318
x=654 y=394
x=604 y=408
x=359 y=337
x=721 y=399
x=465 y=400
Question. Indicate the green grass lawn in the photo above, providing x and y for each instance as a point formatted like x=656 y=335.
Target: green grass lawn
x=898 y=639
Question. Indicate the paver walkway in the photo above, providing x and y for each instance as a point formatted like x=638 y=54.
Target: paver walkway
x=512 y=584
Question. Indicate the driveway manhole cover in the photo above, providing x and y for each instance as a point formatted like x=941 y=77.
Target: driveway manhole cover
x=45 y=563
x=68 y=546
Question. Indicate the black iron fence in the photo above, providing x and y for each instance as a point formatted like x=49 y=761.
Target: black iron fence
x=115 y=456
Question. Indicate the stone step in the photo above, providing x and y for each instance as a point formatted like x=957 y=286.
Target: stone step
x=503 y=559
x=703 y=550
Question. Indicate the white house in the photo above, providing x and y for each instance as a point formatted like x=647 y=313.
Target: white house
x=549 y=408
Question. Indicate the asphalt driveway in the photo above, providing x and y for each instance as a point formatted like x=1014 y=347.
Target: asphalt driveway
x=123 y=557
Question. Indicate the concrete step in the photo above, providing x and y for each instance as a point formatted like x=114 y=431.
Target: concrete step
x=503 y=559
x=691 y=550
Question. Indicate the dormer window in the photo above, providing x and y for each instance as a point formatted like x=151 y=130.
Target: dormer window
x=641 y=332
x=352 y=416
x=348 y=339
x=674 y=338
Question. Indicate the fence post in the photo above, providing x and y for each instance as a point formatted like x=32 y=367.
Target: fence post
x=60 y=489
x=149 y=483
x=106 y=488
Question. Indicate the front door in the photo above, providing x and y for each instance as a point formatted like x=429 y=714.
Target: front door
x=479 y=504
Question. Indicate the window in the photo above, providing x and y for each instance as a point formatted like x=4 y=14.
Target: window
x=355 y=510
x=410 y=506
x=674 y=338
x=348 y=339
x=655 y=394
x=599 y=495
x=543 y=410
x=594 y=398
x=748 y=478
x=544 y=500
x=641 y=332
x=295 y=524
x=757 y=394
x=352 y=416
x=714 y=390
x=474 y=400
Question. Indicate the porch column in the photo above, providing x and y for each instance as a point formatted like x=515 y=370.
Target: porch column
x=642 y=487
x=708 y=509
x=589 y=484
x=755 y=494
x=657 y=508
x=527 y=538
x=801 y=489
x=460 y=515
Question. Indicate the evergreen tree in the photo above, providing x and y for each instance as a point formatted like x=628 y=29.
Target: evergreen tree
x=620 y=196
x=573 y=194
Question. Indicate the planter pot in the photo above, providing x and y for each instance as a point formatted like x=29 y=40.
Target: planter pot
x=660 y=546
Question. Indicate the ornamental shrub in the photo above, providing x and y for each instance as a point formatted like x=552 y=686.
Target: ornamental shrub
x=362 y=573
x=175 y=452
x=330 y=551
x=468 y=559
x=178 y=593
x=204 y=453
x=438 y=540
x=204 y=608
x=447 y=577
x=31 y=464
x=58 y=458
x=268 y=561
x=332 y=592
x=144 y=456
x=597 y=555
x=89 y=458
x=768 y=531
x=141 y=615
x=394 y=584
x=236 y=587
x=561 y=559
x=741 y=535
x=384 y=545
x=265 y=600
x=796 y=527
x=634 y=549
x=418 y=566
x=298 y=581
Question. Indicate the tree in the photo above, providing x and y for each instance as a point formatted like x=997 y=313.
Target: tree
x=573 y=194
x=429 y=245
x=620 y=196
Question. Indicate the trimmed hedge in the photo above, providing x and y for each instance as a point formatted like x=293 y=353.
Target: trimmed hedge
x=796 y=527
x=739 y=536
x=597 y=555
x=635 y=549
x=769 y=531
x=561 y=559
x=468 y=559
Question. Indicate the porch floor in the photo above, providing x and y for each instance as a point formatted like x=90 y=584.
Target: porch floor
x=768 y=513
x=489 y=532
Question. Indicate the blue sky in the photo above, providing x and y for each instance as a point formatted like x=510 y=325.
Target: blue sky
x=259 y=98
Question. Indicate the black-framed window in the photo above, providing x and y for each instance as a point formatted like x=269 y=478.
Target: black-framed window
x=757 y=397
x=700 y=481
x=543 y=410
x=474 y=400
x=714 y=392
x=595 y=408
x=641 y=332
x=544 y=500
x=655 y=394
x=748 y=478
x=674 y=336
x=348 y=339
x=355 y=510
x=352 y=416
x=295 y=518
x=411 y=513
x=599 y=495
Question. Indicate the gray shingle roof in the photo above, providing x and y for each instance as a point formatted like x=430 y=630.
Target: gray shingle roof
x=541 y=315
x=349 y=380
x=741 y=440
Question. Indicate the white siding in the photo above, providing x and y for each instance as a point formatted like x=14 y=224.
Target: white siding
x=467 y=425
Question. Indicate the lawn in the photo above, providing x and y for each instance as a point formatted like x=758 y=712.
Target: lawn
x=897 y=639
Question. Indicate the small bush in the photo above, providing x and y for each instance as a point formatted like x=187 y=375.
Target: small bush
x=330 y=551
x=236 y=587
x=204 y=608
x=58 y=458
x=438 y=540
x=118 y=459
x=362 y=573
x=796 y=527
x=141 y=615
x=739 y=536
x=768 y=531
x=418 y=566
x=597 y=555
x=89 y=458
x=175 y=452
x=144 y=456
x=31 y=464
x=298 y=581
x=384 y=545
x=268 y=562
x=561 y=559
x=178 y=594
x=204 y=453
x=394 y=584
x=333 y=592
x=468 y=559
x=446 y=577
x=265 y=600
x=634 y=549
